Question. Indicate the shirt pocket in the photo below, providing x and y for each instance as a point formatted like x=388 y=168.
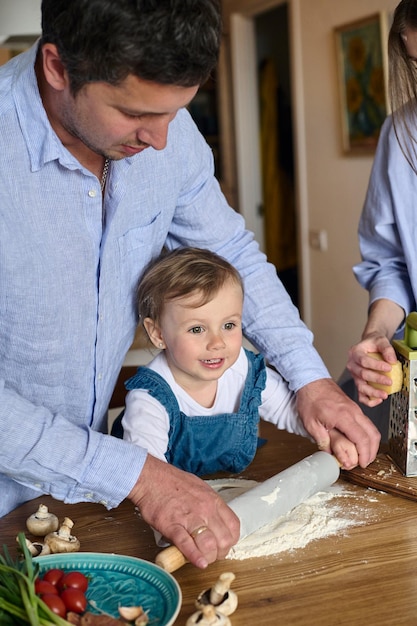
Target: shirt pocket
x=137 y=247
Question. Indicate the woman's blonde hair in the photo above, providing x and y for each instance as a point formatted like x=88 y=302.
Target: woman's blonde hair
x=402 y=84
x=180 y=273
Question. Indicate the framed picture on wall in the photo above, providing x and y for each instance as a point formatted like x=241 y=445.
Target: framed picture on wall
x=361 y=48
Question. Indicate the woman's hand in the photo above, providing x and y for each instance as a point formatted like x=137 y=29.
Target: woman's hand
x=384 y=318
x=366 y=369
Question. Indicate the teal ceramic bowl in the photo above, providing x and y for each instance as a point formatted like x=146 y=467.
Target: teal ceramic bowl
x=117 y=580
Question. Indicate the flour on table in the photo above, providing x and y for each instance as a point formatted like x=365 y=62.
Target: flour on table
x=320 y=516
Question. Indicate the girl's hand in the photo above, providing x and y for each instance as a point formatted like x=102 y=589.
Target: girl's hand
x=343 y=449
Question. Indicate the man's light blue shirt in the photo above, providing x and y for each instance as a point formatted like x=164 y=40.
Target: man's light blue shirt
x=67 y=292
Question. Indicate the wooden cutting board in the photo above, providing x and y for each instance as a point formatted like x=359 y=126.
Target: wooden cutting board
x=383 y=475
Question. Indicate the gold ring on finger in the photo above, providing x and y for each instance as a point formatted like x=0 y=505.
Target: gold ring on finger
x=198 y=531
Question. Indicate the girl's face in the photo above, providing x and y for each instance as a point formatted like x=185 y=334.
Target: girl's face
x=410 y=40
x=201 y=342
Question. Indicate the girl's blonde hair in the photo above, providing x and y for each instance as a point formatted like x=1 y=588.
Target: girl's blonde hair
x=402 y=84
x=180 y=273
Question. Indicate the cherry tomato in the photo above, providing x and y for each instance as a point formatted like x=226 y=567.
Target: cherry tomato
x=74 y=600
x=55 y=603
x=74 y=580
x=43 y=586
x=53 y=576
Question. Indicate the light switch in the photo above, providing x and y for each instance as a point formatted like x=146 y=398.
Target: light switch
x=318 y=240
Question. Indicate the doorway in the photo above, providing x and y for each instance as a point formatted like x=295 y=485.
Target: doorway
x=276 y=144
x=244 y=19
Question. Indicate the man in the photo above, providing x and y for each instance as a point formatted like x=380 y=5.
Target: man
x=100 y=167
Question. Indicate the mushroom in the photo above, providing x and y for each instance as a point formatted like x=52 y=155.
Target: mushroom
x=36 y=548
x=134 y=614
x=61 y=540
x=220 y=595
x=208 y=616
x=42 y=522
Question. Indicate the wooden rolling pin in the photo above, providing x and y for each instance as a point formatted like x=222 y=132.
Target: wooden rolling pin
x=271 y=499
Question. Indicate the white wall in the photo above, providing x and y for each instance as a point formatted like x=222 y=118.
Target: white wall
x=336 y=184
x=19 y=17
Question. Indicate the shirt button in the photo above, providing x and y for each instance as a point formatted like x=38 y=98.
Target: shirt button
x=92 y=193
x=100 y=376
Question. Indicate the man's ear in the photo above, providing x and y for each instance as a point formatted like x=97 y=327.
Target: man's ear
x=154 y=333
x=54 y=71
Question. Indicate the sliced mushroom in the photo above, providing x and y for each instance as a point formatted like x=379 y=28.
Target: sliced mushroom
x=134 y=614
x=62 y=540
x=36 y=548
x=42 y=522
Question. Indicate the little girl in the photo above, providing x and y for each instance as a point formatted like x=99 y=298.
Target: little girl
x=197 y=404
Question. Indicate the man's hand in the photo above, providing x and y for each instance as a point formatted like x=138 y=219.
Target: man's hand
x=323 y=406
x=186 y=510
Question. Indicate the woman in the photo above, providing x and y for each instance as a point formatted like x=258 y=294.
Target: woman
x=388 y=224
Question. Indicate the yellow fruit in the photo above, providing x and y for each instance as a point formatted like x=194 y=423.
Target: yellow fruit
x=396 y=375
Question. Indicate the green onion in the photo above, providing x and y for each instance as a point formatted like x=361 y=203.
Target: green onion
x=19 y=604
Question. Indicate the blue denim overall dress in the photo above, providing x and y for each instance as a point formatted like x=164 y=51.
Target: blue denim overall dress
x=209 y=443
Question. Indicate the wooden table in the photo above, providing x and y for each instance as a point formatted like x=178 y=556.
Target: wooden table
x=365 y=576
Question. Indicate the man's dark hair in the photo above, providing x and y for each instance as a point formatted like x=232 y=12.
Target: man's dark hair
x=172 y=42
